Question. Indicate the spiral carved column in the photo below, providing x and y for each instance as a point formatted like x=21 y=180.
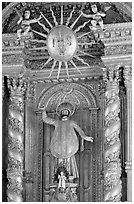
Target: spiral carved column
x=112 y=167
x=15 y=140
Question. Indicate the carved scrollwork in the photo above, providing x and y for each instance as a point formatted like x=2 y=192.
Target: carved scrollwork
x=15 y=144
x=112 y=171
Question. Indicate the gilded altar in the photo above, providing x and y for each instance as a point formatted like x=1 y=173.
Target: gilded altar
x=77 y=53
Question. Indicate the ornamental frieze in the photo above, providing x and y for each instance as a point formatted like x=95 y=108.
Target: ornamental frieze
x=12 y=59
x=118 y=50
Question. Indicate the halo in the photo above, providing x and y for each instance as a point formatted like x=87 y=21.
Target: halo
x=63 y=106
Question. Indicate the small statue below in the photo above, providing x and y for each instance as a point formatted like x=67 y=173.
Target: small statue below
x=24 y=23
x=63 y=190
x=96 y=16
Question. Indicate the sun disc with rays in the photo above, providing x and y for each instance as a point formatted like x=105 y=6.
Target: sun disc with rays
x=61 y=42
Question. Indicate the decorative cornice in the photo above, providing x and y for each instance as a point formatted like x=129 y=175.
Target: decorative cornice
x=114 y=60
x=10 y=42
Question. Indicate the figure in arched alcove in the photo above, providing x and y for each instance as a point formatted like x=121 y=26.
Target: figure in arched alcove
x=64 y=143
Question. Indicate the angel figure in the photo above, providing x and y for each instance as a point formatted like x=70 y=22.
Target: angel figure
x=64 y=143
x=24 y=23
x=96 y=17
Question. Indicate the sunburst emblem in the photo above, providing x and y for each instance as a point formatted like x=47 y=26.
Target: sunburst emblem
x=62 y=42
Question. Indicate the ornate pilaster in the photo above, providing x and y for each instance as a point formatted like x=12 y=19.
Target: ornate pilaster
x=112 y=164
x=128 y=83
x=29 y=141
x=15 y=140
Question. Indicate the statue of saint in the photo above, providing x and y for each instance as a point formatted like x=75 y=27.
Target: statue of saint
x=64 y=143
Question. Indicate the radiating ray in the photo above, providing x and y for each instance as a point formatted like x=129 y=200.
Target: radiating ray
x=85 y=53
x=83 y=34
x=66 y=65
x=78 y=16
x=46 y=20
x=69 y=18
x=43 y=35
x=60 y=63
x=54 y=18
x=75 y=66
x=82 y=26
x=43 y=26
x=49 y=59
x=38 y=41
x=54 y=63
x=61 y=20
x=80 y=59
x=75 y=21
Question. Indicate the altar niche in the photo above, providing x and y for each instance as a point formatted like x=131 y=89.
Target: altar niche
x=89 y=161
x=88 y=115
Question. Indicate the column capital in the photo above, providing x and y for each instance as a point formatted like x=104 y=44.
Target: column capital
x=17 y=85
x=111 y=76
x=128 y=75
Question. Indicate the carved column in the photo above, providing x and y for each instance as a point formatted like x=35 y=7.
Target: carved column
x=15 y=140
x=128 y=83
x=112 y=163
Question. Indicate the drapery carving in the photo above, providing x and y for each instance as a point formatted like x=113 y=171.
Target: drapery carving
x=16 y=136
x=112 y=167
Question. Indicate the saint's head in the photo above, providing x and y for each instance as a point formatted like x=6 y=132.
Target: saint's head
x=65 y=110
x=65 y=113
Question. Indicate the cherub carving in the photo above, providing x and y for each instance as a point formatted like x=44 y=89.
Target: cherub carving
x=24 y=23
x=96 y=17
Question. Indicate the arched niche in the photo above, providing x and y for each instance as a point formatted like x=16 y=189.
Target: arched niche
x=75 y=93
x=86 y=116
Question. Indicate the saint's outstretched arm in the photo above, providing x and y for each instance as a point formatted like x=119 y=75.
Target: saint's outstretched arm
x=47 y=120
x=81 y=132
